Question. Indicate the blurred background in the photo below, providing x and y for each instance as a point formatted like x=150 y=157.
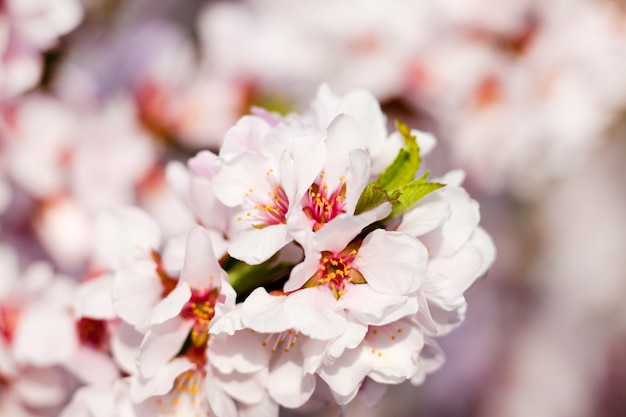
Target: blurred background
x=527 y=96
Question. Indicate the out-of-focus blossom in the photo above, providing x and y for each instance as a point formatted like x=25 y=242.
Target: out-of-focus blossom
x=27 y=28
x=289 y=48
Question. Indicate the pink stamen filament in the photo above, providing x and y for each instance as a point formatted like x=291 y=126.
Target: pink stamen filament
x=320 y=206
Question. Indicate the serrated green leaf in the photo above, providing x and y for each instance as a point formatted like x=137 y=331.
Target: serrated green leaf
x=411 y=193
x=373 y=196
x=402 y=170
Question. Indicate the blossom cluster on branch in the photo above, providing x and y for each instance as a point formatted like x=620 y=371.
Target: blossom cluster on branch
x=321 y=263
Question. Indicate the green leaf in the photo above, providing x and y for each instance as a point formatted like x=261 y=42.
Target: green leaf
x=411 y=193
x=373 y=196
x=402 y=170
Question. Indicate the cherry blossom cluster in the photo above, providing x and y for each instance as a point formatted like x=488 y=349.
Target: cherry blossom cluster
x=321 y=264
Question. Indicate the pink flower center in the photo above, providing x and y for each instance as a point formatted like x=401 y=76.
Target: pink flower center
x=320 y=205
x=336 y=271
x=8 y=320
x=201 y=309
x=269 y=209
x=93 y=333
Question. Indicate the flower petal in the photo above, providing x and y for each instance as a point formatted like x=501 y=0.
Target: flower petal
x=392 y=262
x=161 y=344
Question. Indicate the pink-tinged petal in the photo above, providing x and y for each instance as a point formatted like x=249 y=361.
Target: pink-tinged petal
x=136 y=290
x=313 y=312
x=351 y=338
x=345 y=375
x=393 y=350
x=372 y=392
x=245 y=172
x=442 y=291
x=201 y=269
x=45 y=337
x=430 y=360
x=446 y=320
x=308 y=160
x=125 y=234
x=271 y=118
x=374 y=308
x=170 y=306
x=91 y=401
x=357 y=177
x=42 y=387
x=94 y=298
x=92 y=367
x=301 y=273
x=219 y=402
x=265 y=408
x=242 y=353
x=343 y=136
x=227 y=320
x=247 y=389
x=392 y=262
x=386 y=154
x=255 y=246
x=467 y=264
x=161 y=382
x=265 y=313
x=430 y=213
x=287 y=384
x=125 y=342
x=246 y=136
x=336 y=235
x=314 y=353
x=204 y=164
x=453 y=234
x=365 y=109
x=161 y=344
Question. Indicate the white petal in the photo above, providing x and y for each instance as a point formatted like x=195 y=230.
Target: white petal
x=373 y=308
x=136 y=290
x=94 y=298
x=392 y=262
x=247 y=389
x=125 y=234
x=447 y=239
x=125 y=342
x=170 y=306
x=93 y=367
x=313 y=312
x=161 y=382
x=429 y=213
x=161 y=344
x=258 y=245
x=45 y=337
x=265 y=408
x=264 y=313
x=201 y=269
x=243 y=352
x=336 y=235
x=221 y=404
x=287 y=384
x=345 y=375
